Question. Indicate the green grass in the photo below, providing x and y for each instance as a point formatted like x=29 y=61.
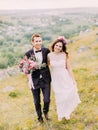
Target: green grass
x=17 y=110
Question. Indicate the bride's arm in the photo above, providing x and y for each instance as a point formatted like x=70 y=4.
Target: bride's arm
x=69 y=69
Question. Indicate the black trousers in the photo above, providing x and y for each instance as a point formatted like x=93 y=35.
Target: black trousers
x=45 y=89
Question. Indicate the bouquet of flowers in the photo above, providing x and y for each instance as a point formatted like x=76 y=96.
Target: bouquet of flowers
x=28 y=65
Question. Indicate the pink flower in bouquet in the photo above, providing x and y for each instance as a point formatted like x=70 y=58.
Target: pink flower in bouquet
x=32 y=64
x=21 y=64
x=27 y=65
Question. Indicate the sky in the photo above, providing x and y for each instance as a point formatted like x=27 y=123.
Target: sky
x=46 y=4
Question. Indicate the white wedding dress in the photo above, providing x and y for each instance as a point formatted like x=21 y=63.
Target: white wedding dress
x=66 y=93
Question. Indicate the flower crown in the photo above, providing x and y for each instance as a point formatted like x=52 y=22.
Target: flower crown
x=63 y=39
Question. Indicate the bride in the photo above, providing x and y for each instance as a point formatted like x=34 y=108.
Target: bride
x=63 y=82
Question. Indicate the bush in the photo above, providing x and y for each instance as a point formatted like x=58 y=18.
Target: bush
x=3 y=62
x=13 y=94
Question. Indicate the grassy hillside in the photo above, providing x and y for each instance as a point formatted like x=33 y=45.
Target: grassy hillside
x=17 y=110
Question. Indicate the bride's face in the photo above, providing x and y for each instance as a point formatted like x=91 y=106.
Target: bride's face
x=58 y=47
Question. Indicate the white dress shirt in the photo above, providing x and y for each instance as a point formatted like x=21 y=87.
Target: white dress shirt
x=38 y=56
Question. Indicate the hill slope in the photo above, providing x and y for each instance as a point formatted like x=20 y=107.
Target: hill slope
x=17 y=109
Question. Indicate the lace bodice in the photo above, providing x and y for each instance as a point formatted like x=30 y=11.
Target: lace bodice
x=57 y=60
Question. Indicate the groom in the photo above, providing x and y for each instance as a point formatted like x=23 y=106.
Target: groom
x=41 y=76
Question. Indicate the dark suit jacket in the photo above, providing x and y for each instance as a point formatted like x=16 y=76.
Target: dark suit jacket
x=45 y=72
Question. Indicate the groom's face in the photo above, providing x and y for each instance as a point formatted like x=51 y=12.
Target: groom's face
x=37 y=43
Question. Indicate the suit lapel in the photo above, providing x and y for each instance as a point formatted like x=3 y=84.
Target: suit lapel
x=43 y=55
x=33 y=55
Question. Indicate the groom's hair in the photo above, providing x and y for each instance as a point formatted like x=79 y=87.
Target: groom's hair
x=35 y=35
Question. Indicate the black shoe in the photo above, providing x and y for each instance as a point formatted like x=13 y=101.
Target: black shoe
x=40 y=120
x=46 y=116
